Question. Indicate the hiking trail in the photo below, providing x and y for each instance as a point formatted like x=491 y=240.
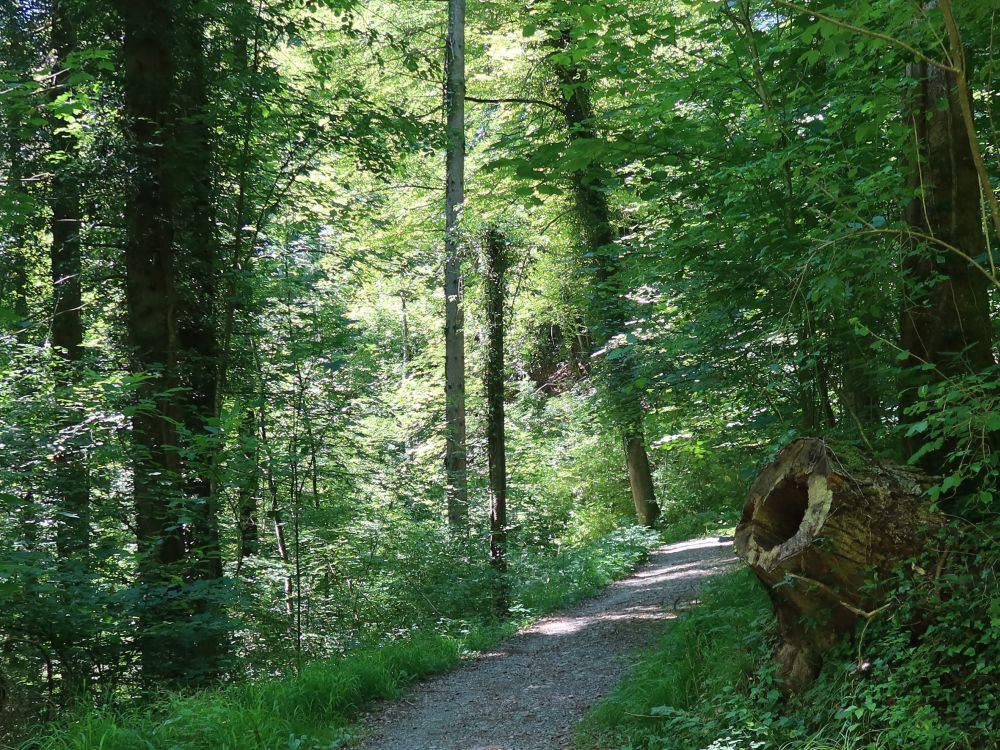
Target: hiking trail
x=529 y=692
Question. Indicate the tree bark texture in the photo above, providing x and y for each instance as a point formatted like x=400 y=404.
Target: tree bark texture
x=149 y=264
x=73 y=529
x=495 y=262
x=607 y=316
x=814 y=530
x=640 y=480
x=198 y=264
x=17 y=55
x=945 y=318
x=455 y=431
x=179 y=643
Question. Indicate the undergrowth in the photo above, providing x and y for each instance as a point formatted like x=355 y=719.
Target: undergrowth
x=316 y=707
x=923 y=675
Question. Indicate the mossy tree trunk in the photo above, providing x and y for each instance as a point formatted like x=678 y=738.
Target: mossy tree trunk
x=455 y=462
x=607 y=314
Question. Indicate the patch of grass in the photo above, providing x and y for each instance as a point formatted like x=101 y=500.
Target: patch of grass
x=315 y=708
x=710 y=653
x=312 y=709
x=929 y=680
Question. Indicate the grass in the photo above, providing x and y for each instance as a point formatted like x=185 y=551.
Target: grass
x=704 y=662
x=312 y=709
x=317 y=708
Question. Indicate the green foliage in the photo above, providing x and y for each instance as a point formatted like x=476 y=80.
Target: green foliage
x=315 y=707
x=309 y=710
x=922 y=675
x=743 y=289
x=550 y=582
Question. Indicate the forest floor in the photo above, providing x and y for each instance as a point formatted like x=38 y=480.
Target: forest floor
x=530 y=691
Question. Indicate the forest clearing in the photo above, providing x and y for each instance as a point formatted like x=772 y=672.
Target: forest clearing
x=356 y=354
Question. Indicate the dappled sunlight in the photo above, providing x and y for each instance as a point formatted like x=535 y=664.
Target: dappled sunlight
x=571 y=625
x=694 y=544
x=668 y=574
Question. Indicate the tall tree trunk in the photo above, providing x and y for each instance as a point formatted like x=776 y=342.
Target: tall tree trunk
x=73 y=527
x=607 y=316
x=198 y=265
x=151 y=307
x=455 y=439
x=17 y=56
x=945 y=318
x=179 y=642
x=495 y=262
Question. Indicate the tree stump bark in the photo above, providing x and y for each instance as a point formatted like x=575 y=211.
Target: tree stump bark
x=818 y=527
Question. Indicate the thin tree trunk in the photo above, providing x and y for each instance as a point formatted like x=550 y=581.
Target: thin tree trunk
x=495 y=269
x=861 y=391
x=455 y=437
x=248 y=488
x=73 y=527
x=277 y=516
x=405 y=342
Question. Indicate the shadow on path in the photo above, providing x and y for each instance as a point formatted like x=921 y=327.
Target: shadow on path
x=529 y=692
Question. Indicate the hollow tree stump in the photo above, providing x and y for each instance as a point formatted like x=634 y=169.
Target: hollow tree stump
x=815 y=528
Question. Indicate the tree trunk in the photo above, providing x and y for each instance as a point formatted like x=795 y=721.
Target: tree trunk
x=495 y=270
x=945 y=317
x=151 y=308
x=198 y=263
x=455 y=439
x=607 y=316
x=73 y=527
x=181 y=633
x=640 y=480
x=815 y=526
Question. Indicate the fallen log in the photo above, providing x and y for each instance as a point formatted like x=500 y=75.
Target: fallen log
x=817 y=529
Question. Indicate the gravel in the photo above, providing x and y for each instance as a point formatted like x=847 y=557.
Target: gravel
x=530 y=691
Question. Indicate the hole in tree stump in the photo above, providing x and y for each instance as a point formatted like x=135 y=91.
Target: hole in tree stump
x=780 y=515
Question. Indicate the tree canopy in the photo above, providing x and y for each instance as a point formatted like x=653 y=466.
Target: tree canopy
x=654 y=242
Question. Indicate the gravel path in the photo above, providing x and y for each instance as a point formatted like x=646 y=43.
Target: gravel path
x=529 y=693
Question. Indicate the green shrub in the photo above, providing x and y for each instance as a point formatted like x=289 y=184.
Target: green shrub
x=921 y=676
x=309 y=710
x=315 y=708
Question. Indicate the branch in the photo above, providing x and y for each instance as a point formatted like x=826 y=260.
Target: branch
x=868 y=32
x=849 y=607
x=514 y=100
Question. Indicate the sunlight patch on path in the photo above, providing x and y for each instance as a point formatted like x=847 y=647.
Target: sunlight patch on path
x=528 y=693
